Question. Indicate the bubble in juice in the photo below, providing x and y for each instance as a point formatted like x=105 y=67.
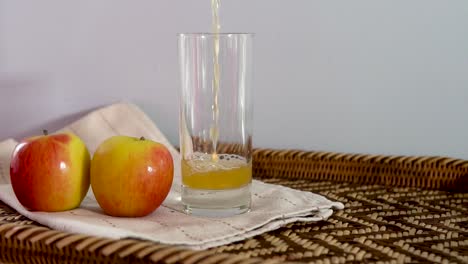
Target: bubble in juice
x=227 y=172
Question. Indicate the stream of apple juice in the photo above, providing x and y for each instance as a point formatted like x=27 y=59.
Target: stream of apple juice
x=216 y=171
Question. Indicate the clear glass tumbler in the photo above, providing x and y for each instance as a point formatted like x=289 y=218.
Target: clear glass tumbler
x=216 y=123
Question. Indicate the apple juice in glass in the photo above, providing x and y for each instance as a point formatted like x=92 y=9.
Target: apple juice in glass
x=216 y=123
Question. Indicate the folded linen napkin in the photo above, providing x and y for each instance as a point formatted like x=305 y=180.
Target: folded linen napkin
x=272 y=205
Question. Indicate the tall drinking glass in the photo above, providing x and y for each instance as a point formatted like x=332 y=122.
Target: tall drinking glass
x=216 y=123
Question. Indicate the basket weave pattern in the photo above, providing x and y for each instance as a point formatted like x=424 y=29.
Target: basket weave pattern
x=398 y=209
x=420 y=172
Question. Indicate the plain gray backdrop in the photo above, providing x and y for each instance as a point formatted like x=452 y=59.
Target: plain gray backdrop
x=364 y=76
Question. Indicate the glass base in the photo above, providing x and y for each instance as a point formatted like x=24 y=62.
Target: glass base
x=216 y=203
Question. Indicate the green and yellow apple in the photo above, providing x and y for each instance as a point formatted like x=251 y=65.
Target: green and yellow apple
x=50 y=172
x=131 y=177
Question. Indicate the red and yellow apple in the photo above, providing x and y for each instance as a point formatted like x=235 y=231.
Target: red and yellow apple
x=131 y=177
x=50 y=172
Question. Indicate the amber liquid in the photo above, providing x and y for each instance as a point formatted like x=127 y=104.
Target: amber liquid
x=214 y=130
x=228 y=172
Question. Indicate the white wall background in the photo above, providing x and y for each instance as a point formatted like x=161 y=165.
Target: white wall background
x=362 y=76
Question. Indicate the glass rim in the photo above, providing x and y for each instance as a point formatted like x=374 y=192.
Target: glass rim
x=211 y=34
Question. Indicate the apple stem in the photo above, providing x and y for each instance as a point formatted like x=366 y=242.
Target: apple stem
x=45 y=132
x=142 y=138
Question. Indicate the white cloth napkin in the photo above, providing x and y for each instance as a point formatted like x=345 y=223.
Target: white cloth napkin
x=272 y=206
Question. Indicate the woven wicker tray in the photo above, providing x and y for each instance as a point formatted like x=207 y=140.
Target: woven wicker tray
x=398 y=210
